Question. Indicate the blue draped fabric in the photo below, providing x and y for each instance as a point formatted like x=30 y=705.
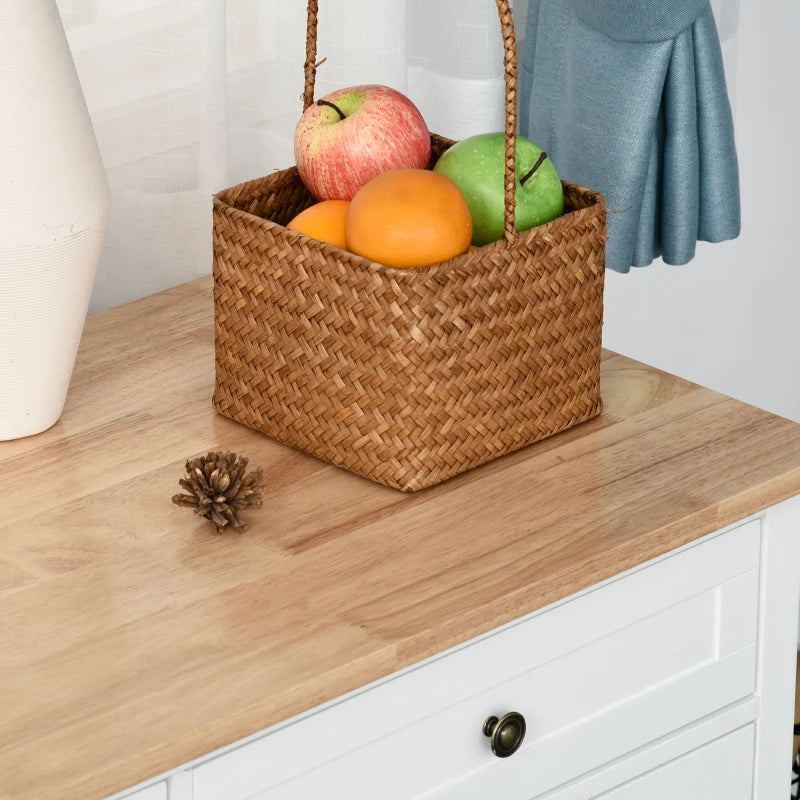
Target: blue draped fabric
x=628 y=97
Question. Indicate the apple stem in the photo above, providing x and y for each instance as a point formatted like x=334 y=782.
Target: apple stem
x=333 y=106
x=533 y=169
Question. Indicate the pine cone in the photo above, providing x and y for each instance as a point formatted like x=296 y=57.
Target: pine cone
x=219 y=489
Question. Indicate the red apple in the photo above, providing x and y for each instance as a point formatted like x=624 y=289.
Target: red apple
x=351 y=135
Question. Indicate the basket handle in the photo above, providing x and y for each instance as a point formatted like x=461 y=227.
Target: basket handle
x=510 y=63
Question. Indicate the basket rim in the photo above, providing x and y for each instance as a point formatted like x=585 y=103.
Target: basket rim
x=463 y=261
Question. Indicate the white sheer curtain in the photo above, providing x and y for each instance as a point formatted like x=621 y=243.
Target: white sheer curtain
x=189 y=96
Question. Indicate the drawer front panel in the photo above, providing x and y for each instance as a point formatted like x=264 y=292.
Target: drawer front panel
x=719 y=770
x=595 y=677
x=722 y=770
x=157 y=791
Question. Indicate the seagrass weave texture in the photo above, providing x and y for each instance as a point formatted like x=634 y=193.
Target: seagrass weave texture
x=407 y=377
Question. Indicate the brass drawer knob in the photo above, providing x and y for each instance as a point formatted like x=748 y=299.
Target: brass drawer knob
x=505 y=734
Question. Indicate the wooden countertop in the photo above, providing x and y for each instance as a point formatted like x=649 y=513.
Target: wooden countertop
x=133 y=639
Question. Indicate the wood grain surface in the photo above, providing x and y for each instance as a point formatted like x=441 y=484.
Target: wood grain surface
x=133 y=639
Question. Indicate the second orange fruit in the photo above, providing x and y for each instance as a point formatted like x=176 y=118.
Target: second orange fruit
x=323 y=221
x=408 y=218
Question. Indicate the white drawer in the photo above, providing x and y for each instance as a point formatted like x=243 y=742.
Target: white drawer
x=719 y=770
x=722 y=770
x=595 y=677
x=158 y=791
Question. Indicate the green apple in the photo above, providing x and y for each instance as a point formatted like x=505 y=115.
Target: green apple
x=477 y=166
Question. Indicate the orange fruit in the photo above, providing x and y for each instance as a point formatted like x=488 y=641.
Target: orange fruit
x=408 y=218
x=323 y=221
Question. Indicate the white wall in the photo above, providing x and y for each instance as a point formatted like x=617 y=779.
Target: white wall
x=729 y=319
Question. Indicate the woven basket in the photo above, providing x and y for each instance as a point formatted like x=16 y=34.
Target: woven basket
x=406 y=377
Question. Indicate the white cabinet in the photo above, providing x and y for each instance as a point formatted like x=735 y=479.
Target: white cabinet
x=157 y=791
x=596 y=677
x=673 y=680
x=721 y=769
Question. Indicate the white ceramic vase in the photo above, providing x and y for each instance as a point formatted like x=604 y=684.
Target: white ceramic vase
x=54 y=202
